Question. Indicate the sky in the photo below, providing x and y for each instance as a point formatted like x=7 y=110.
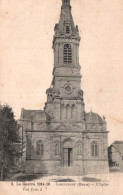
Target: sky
x=26 y=55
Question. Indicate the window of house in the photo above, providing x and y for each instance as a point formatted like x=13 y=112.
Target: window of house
x=67 y=53
x=67 y=29
x=94 y=148
x=39 y=147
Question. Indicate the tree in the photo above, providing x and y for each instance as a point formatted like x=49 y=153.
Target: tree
x=10 y=142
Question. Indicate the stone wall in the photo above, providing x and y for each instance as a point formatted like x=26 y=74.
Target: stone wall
x=52 y=160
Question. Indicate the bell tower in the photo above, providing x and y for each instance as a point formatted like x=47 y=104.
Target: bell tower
x=65 y=97
x=63 y=139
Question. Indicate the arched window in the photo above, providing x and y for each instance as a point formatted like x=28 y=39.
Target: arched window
x=57 y=149
x=68 y=112
x=94 y=149
x=67 y=29
x=39 y=147
x=62 y=111
x=28 y=151
x=73 y=112
x=79 y=149
x=67 y=53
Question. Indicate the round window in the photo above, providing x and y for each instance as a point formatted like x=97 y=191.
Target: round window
x=68 y=89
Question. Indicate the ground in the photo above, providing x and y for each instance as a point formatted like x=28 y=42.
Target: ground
x=95 y=184
x=113 y=176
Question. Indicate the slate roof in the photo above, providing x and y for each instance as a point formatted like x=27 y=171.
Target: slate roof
x=26 y=113
x=118 y=145
x=93 y=118
x=36 y=115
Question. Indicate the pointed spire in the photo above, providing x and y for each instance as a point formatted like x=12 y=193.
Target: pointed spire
x=65 y=27
x=66 y=18
x=65 y=2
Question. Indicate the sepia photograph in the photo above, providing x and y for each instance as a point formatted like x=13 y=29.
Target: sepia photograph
x=61 y=94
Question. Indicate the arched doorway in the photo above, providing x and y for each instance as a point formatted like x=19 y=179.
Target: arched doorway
x=68 y=148
x=68 y=157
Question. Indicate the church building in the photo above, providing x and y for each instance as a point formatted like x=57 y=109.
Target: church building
x=63 y=139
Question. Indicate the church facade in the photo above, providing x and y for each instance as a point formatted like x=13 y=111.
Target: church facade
x=63 y=139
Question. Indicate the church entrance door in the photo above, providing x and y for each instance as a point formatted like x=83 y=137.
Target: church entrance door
x=68 y=157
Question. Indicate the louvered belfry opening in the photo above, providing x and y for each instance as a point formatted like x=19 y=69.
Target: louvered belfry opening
x=67 y=53
x=67 y=29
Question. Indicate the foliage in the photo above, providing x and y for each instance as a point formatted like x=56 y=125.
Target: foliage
x=10 y=142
